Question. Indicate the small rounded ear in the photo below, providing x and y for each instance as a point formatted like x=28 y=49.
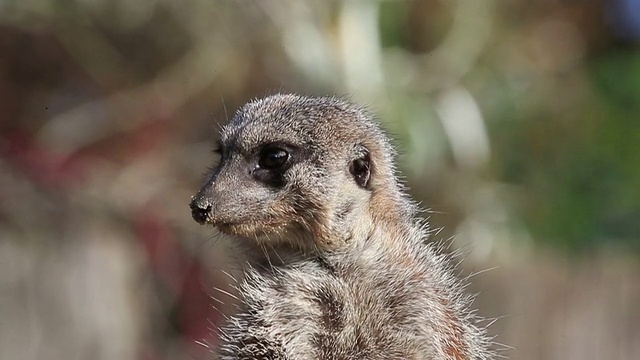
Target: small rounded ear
x=360 y=167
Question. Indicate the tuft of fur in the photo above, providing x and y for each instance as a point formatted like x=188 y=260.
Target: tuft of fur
x=336 y=260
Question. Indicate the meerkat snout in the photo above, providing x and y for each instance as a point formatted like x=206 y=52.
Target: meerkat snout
x=200 y=209
x=239 y=182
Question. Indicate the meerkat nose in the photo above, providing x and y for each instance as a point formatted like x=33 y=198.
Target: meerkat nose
x=200 y=210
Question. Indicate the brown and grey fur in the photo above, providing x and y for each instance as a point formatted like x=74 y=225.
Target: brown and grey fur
x=337 y=264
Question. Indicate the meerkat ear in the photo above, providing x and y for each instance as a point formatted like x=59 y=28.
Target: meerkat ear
x=360 y=167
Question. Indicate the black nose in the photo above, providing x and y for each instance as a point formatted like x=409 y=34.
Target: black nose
x=199 y=211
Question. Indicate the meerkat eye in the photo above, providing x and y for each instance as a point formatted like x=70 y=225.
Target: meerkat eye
x=272 y=158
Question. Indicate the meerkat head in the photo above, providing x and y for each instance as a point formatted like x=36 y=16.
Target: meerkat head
x=296 y=169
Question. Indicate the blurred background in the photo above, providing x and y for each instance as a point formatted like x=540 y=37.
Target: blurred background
x=518 y=124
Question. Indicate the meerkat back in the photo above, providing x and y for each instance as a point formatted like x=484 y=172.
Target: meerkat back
x=336 y=261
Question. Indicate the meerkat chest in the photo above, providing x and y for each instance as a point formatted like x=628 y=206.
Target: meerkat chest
x=320 y=313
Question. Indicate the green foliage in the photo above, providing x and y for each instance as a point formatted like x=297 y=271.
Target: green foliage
x=578 y=168
x=393 y=19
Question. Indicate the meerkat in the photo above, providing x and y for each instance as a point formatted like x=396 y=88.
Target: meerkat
x=336 y=259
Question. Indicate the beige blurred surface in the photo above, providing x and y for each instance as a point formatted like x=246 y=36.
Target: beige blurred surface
x=516 y=123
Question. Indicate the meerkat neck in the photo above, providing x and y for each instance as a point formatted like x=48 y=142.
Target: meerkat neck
x=268 y=256
x=391 y=209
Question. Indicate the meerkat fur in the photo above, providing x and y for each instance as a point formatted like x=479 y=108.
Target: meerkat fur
x=337 y=262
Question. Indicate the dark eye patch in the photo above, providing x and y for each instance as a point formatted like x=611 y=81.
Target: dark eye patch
x=274 y=159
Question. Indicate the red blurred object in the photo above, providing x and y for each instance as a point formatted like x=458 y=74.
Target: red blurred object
x=185 y=278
